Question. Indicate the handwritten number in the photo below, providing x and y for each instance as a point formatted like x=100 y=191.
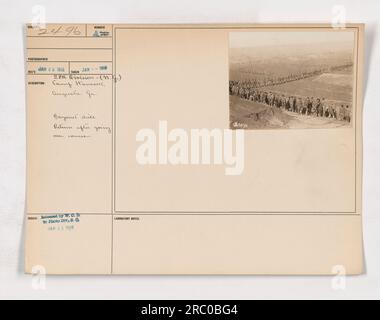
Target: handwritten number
x=71 y=30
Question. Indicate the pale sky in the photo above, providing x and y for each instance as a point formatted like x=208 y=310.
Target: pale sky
x=270 y=38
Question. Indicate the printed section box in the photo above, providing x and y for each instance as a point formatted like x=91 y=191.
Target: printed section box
x=91 y=68
x=99 y=30
x=85 y=241
x=48 y=68
x=85 y=55
x=56 y=30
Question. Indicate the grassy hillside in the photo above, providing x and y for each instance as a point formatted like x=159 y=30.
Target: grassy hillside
x=331 y=86
x=246 y=114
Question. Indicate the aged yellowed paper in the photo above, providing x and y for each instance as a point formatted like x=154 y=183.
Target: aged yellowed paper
x=194 y=149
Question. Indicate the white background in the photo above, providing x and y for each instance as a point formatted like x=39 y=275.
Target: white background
x=14 y=284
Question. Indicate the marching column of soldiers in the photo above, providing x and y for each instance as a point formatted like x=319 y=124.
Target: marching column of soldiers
x=268 y=81
x=311 y=106
x=259 y=83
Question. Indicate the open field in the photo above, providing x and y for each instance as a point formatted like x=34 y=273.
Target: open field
x=331 y=86
x=276 y=61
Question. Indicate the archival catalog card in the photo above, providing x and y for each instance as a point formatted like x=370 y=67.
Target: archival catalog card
x=194 y=149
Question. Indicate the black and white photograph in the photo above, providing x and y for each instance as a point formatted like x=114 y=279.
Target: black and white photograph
x=291 y=79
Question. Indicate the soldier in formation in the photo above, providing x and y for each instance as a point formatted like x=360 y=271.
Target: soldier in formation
x=310 y=106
